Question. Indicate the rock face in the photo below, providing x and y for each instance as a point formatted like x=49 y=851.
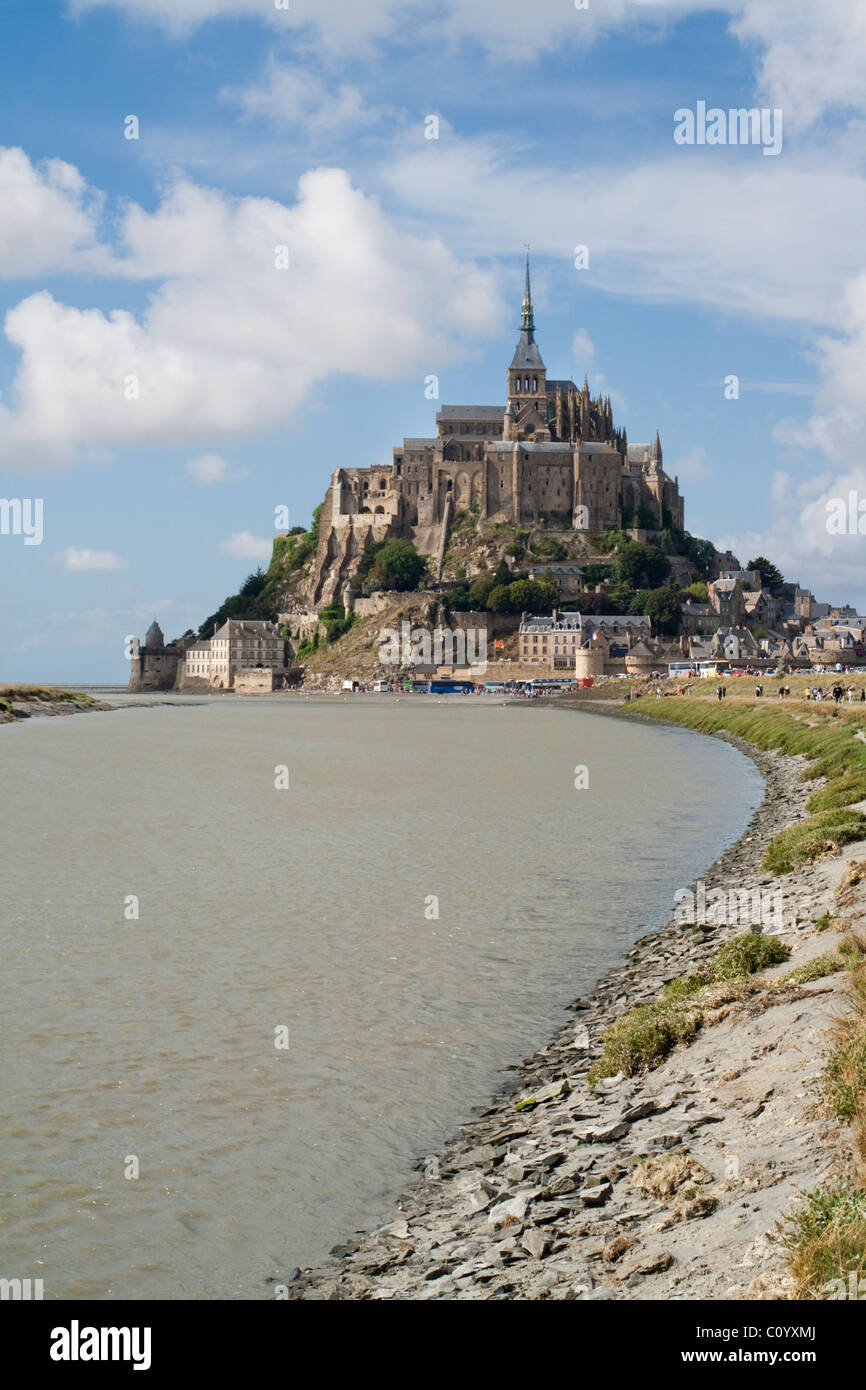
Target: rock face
x=665 y=1184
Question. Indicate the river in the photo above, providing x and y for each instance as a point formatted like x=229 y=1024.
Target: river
x=410 y=915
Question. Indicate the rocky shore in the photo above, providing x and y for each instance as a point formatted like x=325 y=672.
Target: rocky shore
x=669 y=1184
x=13 y=711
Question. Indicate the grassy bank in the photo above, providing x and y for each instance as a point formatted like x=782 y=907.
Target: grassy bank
x=11 y=695
x=825 y=1235
x=832 y=740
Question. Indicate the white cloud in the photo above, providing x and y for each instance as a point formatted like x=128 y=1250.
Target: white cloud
x=79 y=561
x=48 y=217
x=292 y=95
x=243 y=545
x=582 y=348
x=682 y=228
x=230 y=342
x=207 y=469
x=810 y=53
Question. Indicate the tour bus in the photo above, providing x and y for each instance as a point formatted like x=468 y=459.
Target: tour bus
x=452 y=687
x=684 y=670
x=711 y=669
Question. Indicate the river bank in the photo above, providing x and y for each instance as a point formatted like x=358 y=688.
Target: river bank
x=19 y=702
x=669 y=1183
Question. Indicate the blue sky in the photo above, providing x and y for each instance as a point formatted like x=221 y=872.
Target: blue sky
x=154 y=259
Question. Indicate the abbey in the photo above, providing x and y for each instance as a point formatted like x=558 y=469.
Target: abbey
x=551 y=453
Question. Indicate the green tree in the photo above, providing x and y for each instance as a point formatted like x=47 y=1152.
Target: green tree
x=641 y=565
x=399 y=565
x=663 y=607
x=253 y=584
x=481 y=588
x=771 y=578
x=697 y=591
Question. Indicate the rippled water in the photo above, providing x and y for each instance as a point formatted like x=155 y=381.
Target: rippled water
x=308 y=907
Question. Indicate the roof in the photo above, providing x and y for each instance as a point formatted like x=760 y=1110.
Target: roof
x=526 y=354
x=471 y=412
x=593 y=446
x=570 y=622
x=418 y=443
x=555 y=568
x=243 y=627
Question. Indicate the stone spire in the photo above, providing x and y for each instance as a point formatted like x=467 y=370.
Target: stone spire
x=657 y=449
x=527 y=354
x=527 y=317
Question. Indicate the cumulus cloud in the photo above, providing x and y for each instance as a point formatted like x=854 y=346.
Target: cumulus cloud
x=207 y=469
x=260 y=302
x=80 y=561
x=243 y=545
x=49 y=217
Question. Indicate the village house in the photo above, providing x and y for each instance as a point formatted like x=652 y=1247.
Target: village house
x=567 y=579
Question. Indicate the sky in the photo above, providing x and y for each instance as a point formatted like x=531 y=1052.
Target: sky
x=237 y=238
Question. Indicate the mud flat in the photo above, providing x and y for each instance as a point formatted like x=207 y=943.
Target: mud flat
x=668 y=1184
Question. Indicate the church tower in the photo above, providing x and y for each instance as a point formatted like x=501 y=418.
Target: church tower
x=527 y=375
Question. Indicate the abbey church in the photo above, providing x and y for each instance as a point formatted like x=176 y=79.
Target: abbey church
x=551 y=453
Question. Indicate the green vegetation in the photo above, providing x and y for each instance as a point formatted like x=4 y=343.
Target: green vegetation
x=844 y=790
x=336 y=622
x=747 y=954
x=642 y=1038
x=828 y=742
x=641 y=566
x=548 y=548
x=803 y=843
x=46 y=693
x=697 y=592
x=828 y=964
x=771 y=578
x=826 y=1239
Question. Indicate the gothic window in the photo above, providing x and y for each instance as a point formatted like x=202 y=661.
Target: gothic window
x=535 y=383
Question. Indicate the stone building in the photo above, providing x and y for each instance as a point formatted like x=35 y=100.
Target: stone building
x=214 y=663
x=239 y=645
x=551 y=451
x=554 y=642
x=155 y=666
